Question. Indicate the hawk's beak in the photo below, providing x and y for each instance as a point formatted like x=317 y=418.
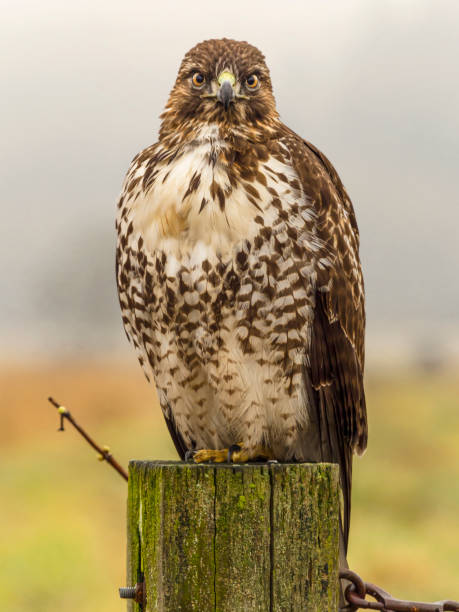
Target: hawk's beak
x=226 y=92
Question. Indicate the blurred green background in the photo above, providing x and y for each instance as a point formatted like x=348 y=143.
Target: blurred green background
x=62 y=545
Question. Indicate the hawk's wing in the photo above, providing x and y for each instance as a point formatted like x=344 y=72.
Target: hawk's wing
x=334 y=374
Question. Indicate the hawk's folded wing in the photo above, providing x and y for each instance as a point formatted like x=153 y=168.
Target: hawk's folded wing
x=334 y=370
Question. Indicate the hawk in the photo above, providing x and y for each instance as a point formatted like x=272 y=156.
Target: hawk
x=239 y=276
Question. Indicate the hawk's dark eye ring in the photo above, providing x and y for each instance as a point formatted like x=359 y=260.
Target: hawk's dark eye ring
x=198 y=80
x=252 y=81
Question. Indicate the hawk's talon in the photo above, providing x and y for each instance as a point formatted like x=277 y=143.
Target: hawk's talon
x=236 y=453
x=208 y=455
x=190 y=453
x=234 y=448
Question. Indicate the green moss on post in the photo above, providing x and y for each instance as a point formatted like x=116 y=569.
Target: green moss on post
x=305 y=522
x=134 y=560
x=242 y=538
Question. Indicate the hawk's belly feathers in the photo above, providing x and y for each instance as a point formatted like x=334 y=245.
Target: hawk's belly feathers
x=220 y=279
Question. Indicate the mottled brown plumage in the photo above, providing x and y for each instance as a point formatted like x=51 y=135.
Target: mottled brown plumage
x=239 y=275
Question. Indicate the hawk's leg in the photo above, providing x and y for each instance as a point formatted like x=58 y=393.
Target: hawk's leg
x=237 y=453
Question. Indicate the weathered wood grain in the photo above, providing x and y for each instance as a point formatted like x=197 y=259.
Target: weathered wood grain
x=305 y=511
x=134 y=561
x=220 y=538
x=242 y=539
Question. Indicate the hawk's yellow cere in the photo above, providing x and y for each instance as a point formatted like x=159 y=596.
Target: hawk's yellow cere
x=227 y=76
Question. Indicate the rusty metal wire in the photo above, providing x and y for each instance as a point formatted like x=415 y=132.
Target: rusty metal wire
x=104 y=452
x=357 y=591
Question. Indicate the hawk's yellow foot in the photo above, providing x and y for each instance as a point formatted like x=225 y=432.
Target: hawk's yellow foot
x=236 y=453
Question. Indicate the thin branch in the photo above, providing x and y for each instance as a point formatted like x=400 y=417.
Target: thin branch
x=104 y=452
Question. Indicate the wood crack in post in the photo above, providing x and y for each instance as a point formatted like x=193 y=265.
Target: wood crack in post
x=271 y=539
x=215 y=539
x=140 y=576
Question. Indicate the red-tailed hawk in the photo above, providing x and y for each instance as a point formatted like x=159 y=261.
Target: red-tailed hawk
x=239 y=276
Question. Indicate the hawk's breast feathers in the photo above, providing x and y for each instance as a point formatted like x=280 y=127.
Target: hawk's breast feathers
x=258 y=224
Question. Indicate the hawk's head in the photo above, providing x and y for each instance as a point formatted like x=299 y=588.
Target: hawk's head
x=221 y=81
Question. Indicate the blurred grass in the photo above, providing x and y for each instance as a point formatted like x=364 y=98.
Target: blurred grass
x=62 y=541
x=405 y=523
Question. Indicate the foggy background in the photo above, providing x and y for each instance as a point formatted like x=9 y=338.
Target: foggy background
x=373 y=84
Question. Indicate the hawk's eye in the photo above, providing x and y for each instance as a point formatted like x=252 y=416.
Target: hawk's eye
x=252 y=81
x=198 y=79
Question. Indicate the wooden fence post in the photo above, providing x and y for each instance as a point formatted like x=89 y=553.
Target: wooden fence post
x=242 y=538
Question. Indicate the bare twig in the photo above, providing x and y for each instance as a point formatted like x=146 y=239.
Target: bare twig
x=104 y=453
